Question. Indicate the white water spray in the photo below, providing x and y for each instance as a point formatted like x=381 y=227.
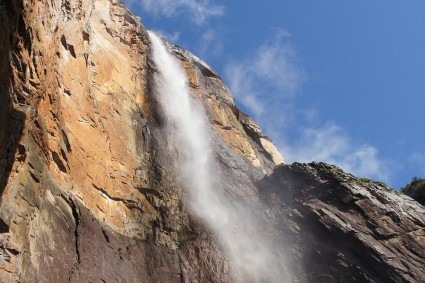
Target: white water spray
x=233 y=223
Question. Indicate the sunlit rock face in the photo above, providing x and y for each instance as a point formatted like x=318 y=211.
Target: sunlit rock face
x=90 y=184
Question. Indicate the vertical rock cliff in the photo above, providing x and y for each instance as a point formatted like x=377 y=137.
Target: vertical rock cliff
x=90 y=182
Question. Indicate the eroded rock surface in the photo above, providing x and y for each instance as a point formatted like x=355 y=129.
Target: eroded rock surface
x=347 y=229
x=90 y=190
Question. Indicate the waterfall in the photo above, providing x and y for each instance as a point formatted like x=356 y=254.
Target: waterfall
x=237 y=228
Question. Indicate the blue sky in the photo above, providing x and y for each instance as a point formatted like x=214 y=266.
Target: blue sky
x=335 y=81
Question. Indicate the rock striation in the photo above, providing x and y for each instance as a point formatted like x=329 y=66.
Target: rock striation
x=90 y=189
x=346 y=229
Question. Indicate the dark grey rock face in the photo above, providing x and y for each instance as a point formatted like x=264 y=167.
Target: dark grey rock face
x=346 y=229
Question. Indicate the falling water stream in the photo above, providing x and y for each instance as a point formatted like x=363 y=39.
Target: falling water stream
x=236 y=227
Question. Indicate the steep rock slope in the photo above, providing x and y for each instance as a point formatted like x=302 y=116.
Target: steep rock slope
x=90 y=189
x=347 y=229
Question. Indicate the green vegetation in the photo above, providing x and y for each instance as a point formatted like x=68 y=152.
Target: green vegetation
x=365 y=180
x=415 y=190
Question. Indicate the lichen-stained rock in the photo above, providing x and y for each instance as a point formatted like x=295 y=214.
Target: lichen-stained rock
x=347 y=229
x=89 y=180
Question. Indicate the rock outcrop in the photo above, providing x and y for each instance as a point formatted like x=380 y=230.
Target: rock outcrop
x=89 y=187
x=347 y=229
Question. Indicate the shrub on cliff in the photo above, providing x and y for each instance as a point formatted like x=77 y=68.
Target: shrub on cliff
x=415 y=190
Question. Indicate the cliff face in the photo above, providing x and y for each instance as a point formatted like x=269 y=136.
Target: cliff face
x=347 y=229
x=90 y=186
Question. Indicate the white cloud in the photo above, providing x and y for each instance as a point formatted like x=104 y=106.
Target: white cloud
x=417 y=158
x=331 y=144
x=210 y=44
x=416 y=162
x=266 y=79
x=198 y=10
x=275 y=62
x=266 y=84
x=242 y=84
